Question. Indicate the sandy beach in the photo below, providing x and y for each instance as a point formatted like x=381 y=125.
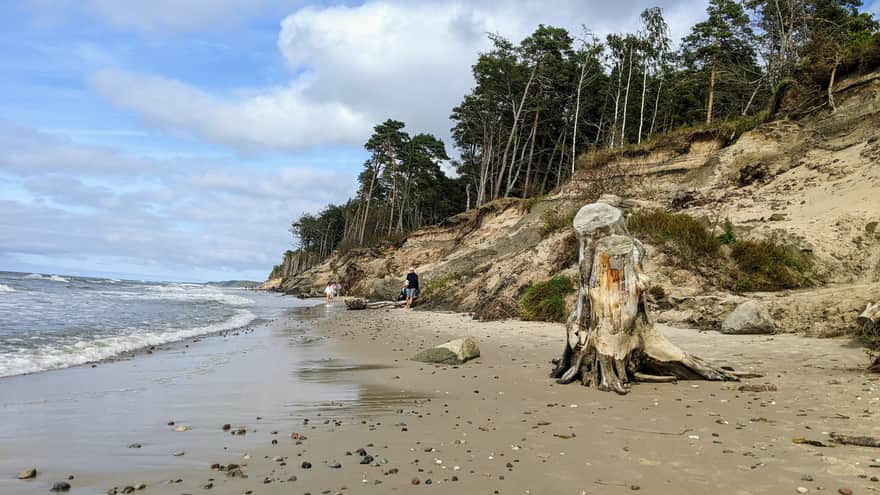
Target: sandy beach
x=493 y=425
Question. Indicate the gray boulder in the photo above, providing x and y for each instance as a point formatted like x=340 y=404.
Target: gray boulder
x=454 y=352
x=748 y=318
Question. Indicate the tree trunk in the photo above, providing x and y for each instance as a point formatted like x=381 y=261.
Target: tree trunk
x=610 y=339
x=577 y=109
x=656 y=104
x=752 y=98
x=831 y=83
x=516 y=114
x=626 y=97
x=642 y=106
x=561 y=159
x=531 y=155
x=711 y=94
x=616 y=102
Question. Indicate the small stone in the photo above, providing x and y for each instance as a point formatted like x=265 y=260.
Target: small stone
x=60 y=486
x=227 y=427
x=292 y=478
x=28 y=474
x=801 y=489
x=361 y=452
x=335 y=465
x=367 y=459
x=428 y=481
x=181 y=428
x=415 y=481
x=178 y=454
x=306 y=465
x=755 y=387
x=127 y=490
x=635 y=487
x=208 y=486
x=454 y=478
x=806 y=477
x=844 y=491
x=142 y=486
x=134 y=446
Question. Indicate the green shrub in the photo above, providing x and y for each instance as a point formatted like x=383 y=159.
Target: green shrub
x=545 y=301
x=728 y=236
x=767 y=265
x=686 y=236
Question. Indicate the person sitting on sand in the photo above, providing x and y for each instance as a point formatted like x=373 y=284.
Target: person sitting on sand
x=412 y=286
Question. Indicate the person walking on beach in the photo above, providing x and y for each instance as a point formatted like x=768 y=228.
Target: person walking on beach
x=412 y=286
x=329 y=292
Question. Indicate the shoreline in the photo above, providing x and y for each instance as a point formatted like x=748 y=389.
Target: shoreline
x=498 y=424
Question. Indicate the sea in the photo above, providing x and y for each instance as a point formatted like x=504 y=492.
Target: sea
x=52 y=321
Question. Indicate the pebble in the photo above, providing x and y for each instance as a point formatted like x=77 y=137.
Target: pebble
x=845 y=491
x=181 y=428
x=801 y=489
x=28 y=474
x=367 y=459
x=60 y=486
x=306 y=465
x=415 y=481
x=335 y=465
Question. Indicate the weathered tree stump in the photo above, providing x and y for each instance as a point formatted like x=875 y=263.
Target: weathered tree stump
x=869 y=320
x=869 y=325
x=610 y=339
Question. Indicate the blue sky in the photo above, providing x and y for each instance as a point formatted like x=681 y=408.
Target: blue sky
x=177 y=139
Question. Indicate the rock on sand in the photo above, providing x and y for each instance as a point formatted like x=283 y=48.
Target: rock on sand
x=454 y=352
x=749 y=317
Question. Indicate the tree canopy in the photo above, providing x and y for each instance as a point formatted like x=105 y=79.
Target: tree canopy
x=539 y=103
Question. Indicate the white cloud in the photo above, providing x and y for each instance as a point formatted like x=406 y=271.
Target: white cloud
x=277 y=118
x=358 y=65
x=29 y=152
x=182 y=219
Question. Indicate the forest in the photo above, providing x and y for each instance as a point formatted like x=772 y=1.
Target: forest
x=538 y=106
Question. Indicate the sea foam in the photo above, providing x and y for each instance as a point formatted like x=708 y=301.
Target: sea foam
x=63 y=355
x=6 y=288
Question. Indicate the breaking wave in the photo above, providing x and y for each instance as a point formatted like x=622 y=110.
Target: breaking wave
x=88 y=350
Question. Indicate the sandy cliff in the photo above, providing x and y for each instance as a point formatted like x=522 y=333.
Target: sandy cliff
x=813 y=184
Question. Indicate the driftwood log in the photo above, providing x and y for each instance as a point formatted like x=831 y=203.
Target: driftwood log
x=610 y=339
x=358 y=303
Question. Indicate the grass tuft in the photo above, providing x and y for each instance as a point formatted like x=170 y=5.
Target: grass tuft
x=687 y=237
x=767 y=265
x=545 y=301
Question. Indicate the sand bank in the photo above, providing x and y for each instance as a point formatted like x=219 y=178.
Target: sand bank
x=499 y=425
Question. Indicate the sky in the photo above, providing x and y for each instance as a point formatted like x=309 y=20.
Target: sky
x=178 y=139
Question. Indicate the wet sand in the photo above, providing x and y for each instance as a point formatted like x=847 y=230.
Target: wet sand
x=499 y=425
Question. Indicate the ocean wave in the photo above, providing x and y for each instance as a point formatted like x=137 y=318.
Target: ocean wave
x=6 y=288
x=194 y=293
x=64 y=355
x=52 y=278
